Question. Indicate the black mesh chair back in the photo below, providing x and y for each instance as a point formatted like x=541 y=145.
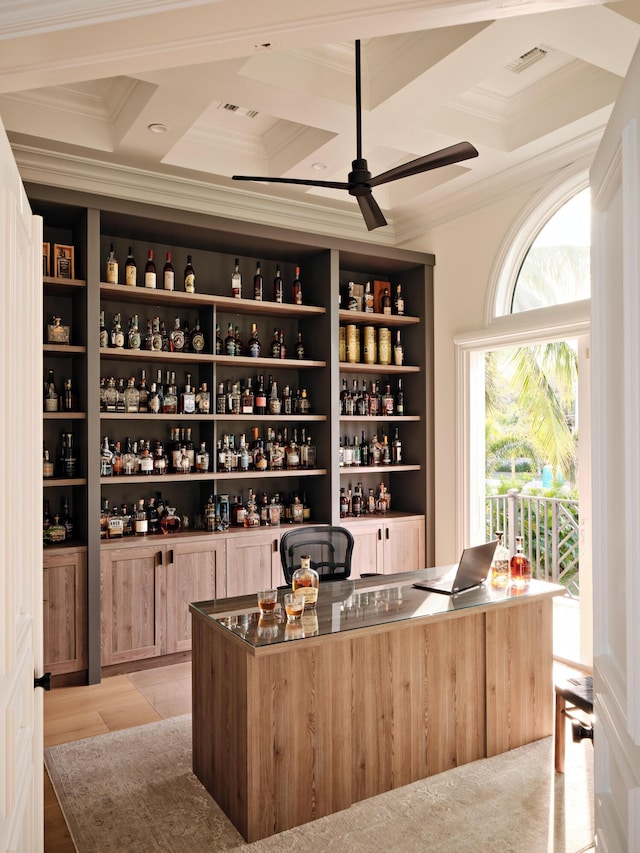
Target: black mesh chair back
x=330 y=549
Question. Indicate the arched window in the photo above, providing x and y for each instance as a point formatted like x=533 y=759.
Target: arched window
x=556 y=267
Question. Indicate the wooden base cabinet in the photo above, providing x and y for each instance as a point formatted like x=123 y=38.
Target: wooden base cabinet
x=387 y=546
x=253 y=562
x=65 y=610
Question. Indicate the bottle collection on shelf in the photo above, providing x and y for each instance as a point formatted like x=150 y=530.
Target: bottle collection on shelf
x=354 y=503
x=66 y=464
x=63 y=401
x=232 y=344
x=163 y=396
x=58 y=528
x=167 y=279
x=365 y=452
x=280 y=452
x=154 y=516
x=361 y=402
x=358 y=297
x=370 y=346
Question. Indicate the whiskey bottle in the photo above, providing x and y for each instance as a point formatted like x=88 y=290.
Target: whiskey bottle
x=116 y=524
x=189 y=276
x=67 y=520
x=385 y=302
x=398 y=351
x=500 y=563
x=104 y=335
x=134 y=339
x=399 y=300
x=146 y=459
x=238 y=343
x=244 y=457
x=164 y=337
x=188 y=398
x=189 y=448
x=203 y=400
x=275 y=344
x=236 y=282
x=300 y=351
x=396 y=449
x=197 y=337
x=129 y=461
x=247 y=400
x=202 y=458
x=230 y=341
x=47 y=464
x=170 y=397
x=399 y=399
x=143 y=393
x=112 y=266
x=131 y=397
x=260 y=401
x=155 y=399
x=159 y=459
x=68 y=460
x=127 y=521
x=117 y=335
x=106 y=458
x=283 y=346
x=51 y=401
x=520 y=566
x=130 y=270
x=221 y=400
x=368 y=298
x=176 y=337
x=168 y=274
x=219 y=341
x=388 y=401
x=258 y=283
x=296 y=289
x=292 y=452
x=274 y=404
x=306 y=579
x=278 y=286
x=105 y=512
x=254 y=342
x=150 y=272
x=140 y=520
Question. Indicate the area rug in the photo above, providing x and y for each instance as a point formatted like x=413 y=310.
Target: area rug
x=133 y=792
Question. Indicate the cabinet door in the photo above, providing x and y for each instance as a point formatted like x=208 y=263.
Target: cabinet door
x=251 y=562
x=133 y=598
x=403 y=544
x=367 y=547
x=65 y=611
x=195 y=571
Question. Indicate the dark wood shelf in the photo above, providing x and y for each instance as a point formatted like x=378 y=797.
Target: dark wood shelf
x=366 y=318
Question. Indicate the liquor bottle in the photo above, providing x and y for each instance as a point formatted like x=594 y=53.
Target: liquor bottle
x=399 y=399
x=168 y=274
x=292 y=452
x=236 y=281
x=398 y=351
x=252 y=517
x=187 y=337
x=202 y=458
x=244 y=457
x=234 y=399
x=116 y=524
x=296 y=289
x=230 y=341
x=189 y=448
x=247 y=400
x=112 y=266
x=129 y=466
x=143 y=393
x=273 y=403
x=275 y=344
x=105 y=512
x=300 y=351
x=362 y=403
x=210 y=514
x=47 y=464
x=520 y=567
x=153 y=517
x=356 y=502
x=399 y=300
x=169 y=521
x=385 y=302
x=283 y=346
x=146 y=459
x=238 y=343
x=219 y=341
x=188 y=398
x=159 y=459
x=134 y=339
x=306 y=579
x=197 y=337
x=150 y=271
x=254 y=342
x=104 y=335
x=51 y=400
x=260 y=401
x=203 y=400
x=189 y=276
x=140 y=520
x=131 y=397
x=110 y=395
x=500 y=563
x=130 y=270
x=127 y=521
x=120 y=389
x=278 y=286
x=368 y=298
x=170 y=397
x=155 y=399
x=67 y=520
x=396 y=449
x=388 y=401
x=117 y=335
x=287 y=401
x=67 y=456
x=164 y=337
x=221 y=400
x=258 y=283
x=364 y=449
x=176 y=337
x=374 y=400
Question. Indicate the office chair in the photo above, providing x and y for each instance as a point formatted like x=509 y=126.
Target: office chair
x=330 y=549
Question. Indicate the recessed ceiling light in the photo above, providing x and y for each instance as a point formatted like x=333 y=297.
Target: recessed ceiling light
x=157 y=127
x=319 y=167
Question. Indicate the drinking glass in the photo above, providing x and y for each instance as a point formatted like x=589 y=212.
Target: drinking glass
x=267 y=599
x=294 y=606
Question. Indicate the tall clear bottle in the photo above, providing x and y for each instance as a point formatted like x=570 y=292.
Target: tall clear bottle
x=500 y=562
x=112 y=266
x=307 y=581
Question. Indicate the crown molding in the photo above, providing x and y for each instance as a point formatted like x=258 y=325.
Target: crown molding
x=182 y=193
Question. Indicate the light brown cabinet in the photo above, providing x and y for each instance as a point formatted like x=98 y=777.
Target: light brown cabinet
x=253 y=562
x=388 y=545
x=65 y=610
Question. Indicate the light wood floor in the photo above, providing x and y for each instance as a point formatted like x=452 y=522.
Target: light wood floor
x=119 y=702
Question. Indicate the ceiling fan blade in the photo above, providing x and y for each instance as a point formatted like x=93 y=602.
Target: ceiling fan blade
x=333 y=185
x=371 y=213
x=444 y=157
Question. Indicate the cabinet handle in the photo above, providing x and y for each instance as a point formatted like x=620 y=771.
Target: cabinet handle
x=379 y=534
x=275 y=546
x=159 y=558
x=387 y=532
x=171 y=556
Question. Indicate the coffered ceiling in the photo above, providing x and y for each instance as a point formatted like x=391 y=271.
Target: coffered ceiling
x=204 y=90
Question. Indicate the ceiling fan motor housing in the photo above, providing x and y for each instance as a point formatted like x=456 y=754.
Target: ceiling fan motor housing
x=359 y=178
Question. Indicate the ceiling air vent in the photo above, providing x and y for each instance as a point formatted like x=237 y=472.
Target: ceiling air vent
x=241 y=111
x=527 y=59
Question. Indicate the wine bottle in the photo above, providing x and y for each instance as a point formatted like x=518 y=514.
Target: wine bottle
x=189 y=276
x=150 y=272
x=236 y=281
x=168 y=274
x=258 y=282
x=112 y=266
x=296 y=290
x=278 y=286
x=399 y=301
x=130 y=270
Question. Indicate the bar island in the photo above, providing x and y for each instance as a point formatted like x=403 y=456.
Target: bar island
x=382 y=685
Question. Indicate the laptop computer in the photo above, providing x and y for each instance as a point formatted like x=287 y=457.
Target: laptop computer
x=471 y=571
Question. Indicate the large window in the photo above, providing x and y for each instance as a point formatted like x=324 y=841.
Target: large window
x=556 y=267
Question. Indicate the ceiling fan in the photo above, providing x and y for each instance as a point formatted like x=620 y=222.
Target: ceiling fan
x=360 y=181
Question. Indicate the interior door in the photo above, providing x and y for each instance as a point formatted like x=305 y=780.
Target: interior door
x=615 y=325
x=21 y=730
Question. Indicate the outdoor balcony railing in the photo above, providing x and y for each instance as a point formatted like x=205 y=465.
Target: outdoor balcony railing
x=550 y=531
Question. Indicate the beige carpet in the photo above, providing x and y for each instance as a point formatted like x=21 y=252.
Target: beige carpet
x=134 y=792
